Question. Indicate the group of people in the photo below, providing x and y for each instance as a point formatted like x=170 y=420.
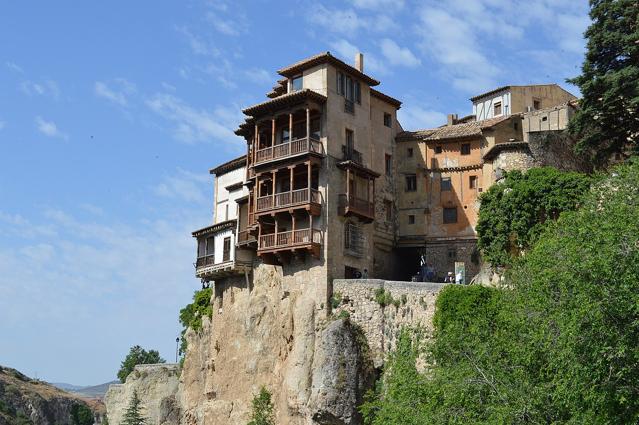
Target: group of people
x=454 y=278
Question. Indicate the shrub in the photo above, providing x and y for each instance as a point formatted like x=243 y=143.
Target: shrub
x=137 y=355
x=191 y=315
x=344 y=315
x=336 y=300
x=384 y=298
x=262 y=413
x=81 y=415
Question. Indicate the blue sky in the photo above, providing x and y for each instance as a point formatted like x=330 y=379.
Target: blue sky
x=111 y=114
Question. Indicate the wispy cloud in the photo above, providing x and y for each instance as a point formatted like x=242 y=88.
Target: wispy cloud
x=194 y=125
x=184 y=186
x=259 y=76
x=386 y=5
x=14 y=67
x=116 y=92
x=45 y=88
x=49 y=128
x=398 y=56
x=198 y=45
x=2 y=124
x=340 y=20
x=227 y=20
x=417 y=117
x=347 y=52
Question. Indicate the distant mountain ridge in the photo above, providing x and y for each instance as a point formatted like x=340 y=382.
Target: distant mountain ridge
x=91 y=391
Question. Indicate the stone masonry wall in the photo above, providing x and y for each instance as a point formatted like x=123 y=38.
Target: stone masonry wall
x=381 y=325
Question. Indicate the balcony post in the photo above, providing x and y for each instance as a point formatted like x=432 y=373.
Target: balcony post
x=308 y=179
x=348 y=185
x=273 y=193
x=273 y=132
x=275 y=241
x=308 y=123
x=290 y=127
x=293 y=231
x=291 y=181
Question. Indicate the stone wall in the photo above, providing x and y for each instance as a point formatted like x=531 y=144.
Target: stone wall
x=156 y=386
x=381 y=324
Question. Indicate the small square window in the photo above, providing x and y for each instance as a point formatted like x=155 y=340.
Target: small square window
x=296 y=84
x=450 y=215
x=536 y=104
x=409 y=152
x=388 y=164
x=497 y=109
x=388 y=120
x=446 y=184
x=411 y=219
x=465 y=149
x=438 y=149
x=411 y=183
x=472 y=182
x=452 y=254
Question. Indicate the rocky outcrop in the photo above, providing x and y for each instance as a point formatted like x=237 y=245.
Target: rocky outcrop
x=29 y=401
x=156 y=386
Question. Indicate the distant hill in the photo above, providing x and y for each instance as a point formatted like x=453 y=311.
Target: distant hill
x=29 y=401
x=93 y=391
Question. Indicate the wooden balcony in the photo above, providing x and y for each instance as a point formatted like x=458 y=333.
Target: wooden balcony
x=309 y=199
x=361 y=208
x=244 y=238
x=290 y=149
x=302 y=239
x=206 y=267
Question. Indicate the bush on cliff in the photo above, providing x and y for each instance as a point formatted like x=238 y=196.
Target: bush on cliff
x=137 y=355
x=514 y=212
x=191 y=315
x=560 y=345
x=262 y=413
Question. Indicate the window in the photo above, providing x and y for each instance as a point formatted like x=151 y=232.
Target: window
x=350 y=141
x=388 y=164
x=341 y=84
x=452 y=254
x=411 y=183
x=450 y=215
x=350 y=89
x=210 y=245
x=284 y=135
x=353 y=239
x=515 y=125
x=411 y=219
x=226 y=212
x=438 y=149
x=388 y=120
x=226 y=253
x=497 y=109
x=409 y=152
x=315 y=128
x=388 y=210
x=472 y=180
x=465 y=149
x=201 y=248
x=536 y=104
x=446 y=184
x=296 y=83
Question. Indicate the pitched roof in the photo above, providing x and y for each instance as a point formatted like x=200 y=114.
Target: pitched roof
x=498 y=89
x=284 y=100
x=386 y=98
x=325 y=57
x=229 y=166
x=464 y=130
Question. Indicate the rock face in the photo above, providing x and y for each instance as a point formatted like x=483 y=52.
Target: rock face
x=28 y=401
x=275 y=335
x=156 y=386
x=342 y=372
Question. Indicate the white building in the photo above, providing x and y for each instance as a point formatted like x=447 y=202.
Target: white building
x=217 y=253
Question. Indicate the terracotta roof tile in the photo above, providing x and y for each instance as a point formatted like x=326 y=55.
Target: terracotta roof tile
x=452 y=132
x=325 y=57
x=283 y=100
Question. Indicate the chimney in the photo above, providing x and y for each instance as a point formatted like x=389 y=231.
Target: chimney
x=359 y=62
x=452 y=119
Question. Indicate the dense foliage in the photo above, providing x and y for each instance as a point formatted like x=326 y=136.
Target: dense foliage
x=560 y=345
x=133 y=414
x=608 y=115
x=81 y=415
x=262 y=413
x=137 y=355
x=191 y=315
x=515 y=211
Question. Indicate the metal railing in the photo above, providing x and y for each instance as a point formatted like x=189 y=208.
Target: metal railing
x=284 y=150
x=350 y=154
x=290 y=239
x=287 y=199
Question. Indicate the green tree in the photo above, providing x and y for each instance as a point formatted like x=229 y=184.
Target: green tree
x=262 y=413
x=191 y=315
x=133 y=414
x=608 y=117
x=81 y=415
x=514 y=212
x=137 y=355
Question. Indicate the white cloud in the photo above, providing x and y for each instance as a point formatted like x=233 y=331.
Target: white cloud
x=185 y=186
x=396 y=55
x=197 y=44
x=14 y=67
x=385 y=5
x=259 y=76
x=49 y=128
x=194 y=125
x=117 y=91
x=414 y=117
x=347 y=52
x=44 y=88
x=345 y=21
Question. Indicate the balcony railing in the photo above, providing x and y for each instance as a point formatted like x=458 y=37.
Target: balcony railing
x=288 y=149
x=350 y=154
x=288 y=199
x=207 y=260
x=361 y=207
x=244 y=237
x=290 y=239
